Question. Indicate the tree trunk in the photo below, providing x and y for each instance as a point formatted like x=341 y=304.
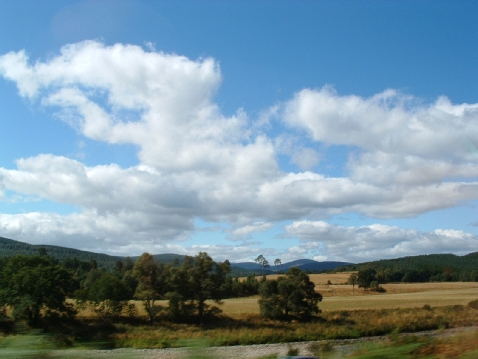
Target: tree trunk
x=201 y=311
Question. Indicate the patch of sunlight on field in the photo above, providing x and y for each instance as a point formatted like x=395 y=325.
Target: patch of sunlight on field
x=342 y=297
x=437 y=297
x=241 y=305
x=347 y=290
x=321 y=279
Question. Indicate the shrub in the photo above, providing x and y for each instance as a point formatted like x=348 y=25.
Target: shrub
x=473 y=304
x=375 y=286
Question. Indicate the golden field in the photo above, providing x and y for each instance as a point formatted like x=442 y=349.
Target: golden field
x=343 y=297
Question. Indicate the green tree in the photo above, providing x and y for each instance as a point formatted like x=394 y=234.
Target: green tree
x=365 y=277
x=130 y=282
x=33 y=285
x=107 y=297
x=119 y=266
x=277 y=263
x=293 y=294
x=353 y=279
x=128 y=264
x=264 y=263
x=198 y=279
x=147 y=272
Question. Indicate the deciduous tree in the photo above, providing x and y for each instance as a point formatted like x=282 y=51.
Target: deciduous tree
x=293 y=294
x=365 y=277
x=353 y=279
x=107 y=296
x=198 y=279
x=147 y=272
x=35 y=284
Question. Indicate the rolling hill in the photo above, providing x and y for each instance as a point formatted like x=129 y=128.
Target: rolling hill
x=428 y=261
x=433 y=262
x=10 y=247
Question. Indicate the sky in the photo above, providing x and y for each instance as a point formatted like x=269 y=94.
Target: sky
x=328 y=130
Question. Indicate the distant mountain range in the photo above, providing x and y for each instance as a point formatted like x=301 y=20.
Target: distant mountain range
x=10 y=247
x=303 y=264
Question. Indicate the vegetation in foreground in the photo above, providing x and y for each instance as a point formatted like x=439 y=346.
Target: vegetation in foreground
x=254 y=329
x=463 y=346
x=34 y=289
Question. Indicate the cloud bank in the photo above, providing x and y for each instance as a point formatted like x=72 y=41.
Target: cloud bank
x=360 y=244
x=405 y=158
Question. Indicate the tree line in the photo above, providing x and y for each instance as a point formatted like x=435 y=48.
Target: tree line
x=421 y=275
x=33 y=286
x=423 y=268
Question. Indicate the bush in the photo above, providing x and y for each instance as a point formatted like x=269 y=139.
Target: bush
x=375 y=286
x=473 y=304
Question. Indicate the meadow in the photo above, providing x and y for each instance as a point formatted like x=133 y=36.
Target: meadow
x=346 y=313
x=339 y=296
x=344 y=297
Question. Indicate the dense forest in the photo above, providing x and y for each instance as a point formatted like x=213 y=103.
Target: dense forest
x=423 y=268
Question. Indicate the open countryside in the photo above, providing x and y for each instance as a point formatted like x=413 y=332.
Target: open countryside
x=342 y=297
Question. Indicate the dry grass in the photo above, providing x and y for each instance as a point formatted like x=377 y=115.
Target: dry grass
x=342 y=297
x=460 y=345
x=322 y=279
x=252 y=329
x=400 y=300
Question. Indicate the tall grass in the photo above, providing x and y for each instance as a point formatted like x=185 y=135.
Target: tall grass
x=252 y=329
x=458 y=346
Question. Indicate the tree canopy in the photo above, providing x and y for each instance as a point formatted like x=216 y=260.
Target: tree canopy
x=35 y=284
x=294 y=294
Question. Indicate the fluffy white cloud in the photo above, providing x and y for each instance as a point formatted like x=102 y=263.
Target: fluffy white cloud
x=194 y=162
x=399 y=140
x=246 y=231
x=388 y=122
x=367 y=243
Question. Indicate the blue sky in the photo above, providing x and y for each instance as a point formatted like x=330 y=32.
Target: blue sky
x=330 y=130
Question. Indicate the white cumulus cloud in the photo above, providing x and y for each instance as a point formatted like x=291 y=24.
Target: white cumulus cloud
x=376 y=241
x=405 y=158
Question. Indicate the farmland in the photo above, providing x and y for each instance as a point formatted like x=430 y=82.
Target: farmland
x=346 y=313
x=344 y=297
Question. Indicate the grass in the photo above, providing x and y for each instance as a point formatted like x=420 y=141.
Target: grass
x=458 y=346
x=343 y=297
x=252 y=329
x=346 y=313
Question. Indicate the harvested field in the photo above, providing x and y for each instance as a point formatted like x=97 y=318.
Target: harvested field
x=323 y=278
x=393 y=288
x=342 y=297
x=406 y=295
x=434 y=298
